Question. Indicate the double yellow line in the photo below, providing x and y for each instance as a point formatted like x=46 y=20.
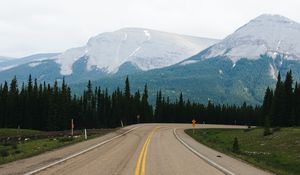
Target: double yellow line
x=141 y=164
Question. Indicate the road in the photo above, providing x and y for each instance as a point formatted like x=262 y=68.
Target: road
x=150 y=149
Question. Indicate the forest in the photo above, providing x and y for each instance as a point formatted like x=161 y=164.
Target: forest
x=281 y=106
x=50 y=107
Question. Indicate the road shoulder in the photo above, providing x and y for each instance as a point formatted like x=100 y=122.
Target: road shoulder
x=25 y=165
x=227 y=162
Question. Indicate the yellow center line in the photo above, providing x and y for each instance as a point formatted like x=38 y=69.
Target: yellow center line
x=141 y=164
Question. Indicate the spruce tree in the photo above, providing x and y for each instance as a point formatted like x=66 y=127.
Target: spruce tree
x=288 y=100
x=267 y=104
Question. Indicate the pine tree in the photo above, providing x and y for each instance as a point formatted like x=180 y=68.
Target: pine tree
x=288 y=100
x=267 y=104
x=127 y=89
x=146 y=112
x=277 y=109
x=158 y=107
x=297 y=104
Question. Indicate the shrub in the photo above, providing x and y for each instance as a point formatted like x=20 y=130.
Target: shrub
x=267 y=131
x=14 y=145
x=5 y=143
x=276 y=129
x=4 y=152
x=65 y=139
x=235 y=146
x=17 y=152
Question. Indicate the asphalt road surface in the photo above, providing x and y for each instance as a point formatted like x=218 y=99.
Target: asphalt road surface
x=149 y=149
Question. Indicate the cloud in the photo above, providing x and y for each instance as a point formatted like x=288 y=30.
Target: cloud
x=34 y=26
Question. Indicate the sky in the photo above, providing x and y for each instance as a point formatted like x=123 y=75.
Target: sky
x=43 y=26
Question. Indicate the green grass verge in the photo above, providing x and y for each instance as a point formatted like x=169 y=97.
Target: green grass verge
x=6 y=132
x=279 y=152
x=12 y=151
x=15 y=150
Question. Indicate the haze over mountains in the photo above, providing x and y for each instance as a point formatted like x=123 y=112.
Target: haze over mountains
x=233 y=70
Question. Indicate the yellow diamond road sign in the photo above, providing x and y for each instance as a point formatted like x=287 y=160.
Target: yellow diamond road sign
x=193 y=123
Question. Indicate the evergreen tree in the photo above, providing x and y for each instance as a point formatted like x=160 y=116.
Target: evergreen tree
x=297 y=104
x=288 y=119
x=267 y=104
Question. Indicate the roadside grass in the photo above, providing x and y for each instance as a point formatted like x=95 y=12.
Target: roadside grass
x=7 y=132
x=11 y=150
x=278 y=153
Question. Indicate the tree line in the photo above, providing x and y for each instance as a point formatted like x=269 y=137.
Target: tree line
x=281 y=106
x=51 y=107
x=184 y=112
x=45 y=106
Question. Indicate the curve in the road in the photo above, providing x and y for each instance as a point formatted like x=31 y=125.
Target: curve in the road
x=141 y=163
x=212 y=163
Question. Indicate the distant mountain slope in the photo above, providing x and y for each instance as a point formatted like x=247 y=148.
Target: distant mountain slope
x=237 y=69
x=122 y=52
x=144 y=48
x=266 y=34
x=9 y=63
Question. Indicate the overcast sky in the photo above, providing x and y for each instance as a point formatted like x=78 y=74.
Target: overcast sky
x=35 y=26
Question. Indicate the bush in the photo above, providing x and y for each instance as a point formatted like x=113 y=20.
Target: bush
x=5 y=143
x=14 y=146
x=65 y=139
x=267 y=131
x=17 y=152
x=4 y=153
x=276 y=129
x=235 y=146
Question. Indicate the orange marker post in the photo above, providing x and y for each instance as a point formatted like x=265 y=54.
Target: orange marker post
x=194 y=125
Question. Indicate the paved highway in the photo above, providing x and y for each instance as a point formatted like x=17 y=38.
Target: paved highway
x=150 y=149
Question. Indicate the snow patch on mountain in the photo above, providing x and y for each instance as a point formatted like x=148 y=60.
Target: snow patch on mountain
x=233 y=65
x=271 y=34
x=188 y=62
x=67 y=59
x=8 y=67
x=34 y=64
x=220 y=71
x=147 y=49
x=147 y=35
x=273 y=72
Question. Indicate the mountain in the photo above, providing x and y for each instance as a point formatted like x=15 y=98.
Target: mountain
x=146 y=49
x=266 y=34
x=117 y=53
x=235 y=70
x=9 y=63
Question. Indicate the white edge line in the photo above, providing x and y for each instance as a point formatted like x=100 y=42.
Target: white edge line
x=212 y=163
x=79 y=153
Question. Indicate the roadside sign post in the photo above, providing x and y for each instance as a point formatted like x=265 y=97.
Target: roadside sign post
x=85 y=134
x=72 y=127
x=138 y=118
x=193 y=125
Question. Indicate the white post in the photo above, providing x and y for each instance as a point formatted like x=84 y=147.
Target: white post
x=72 y=128
x=122 y=124
x=85 y=134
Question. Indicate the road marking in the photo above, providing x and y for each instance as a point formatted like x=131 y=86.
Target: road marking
x=212 y=163
x=79 y=153
x=141 y=163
